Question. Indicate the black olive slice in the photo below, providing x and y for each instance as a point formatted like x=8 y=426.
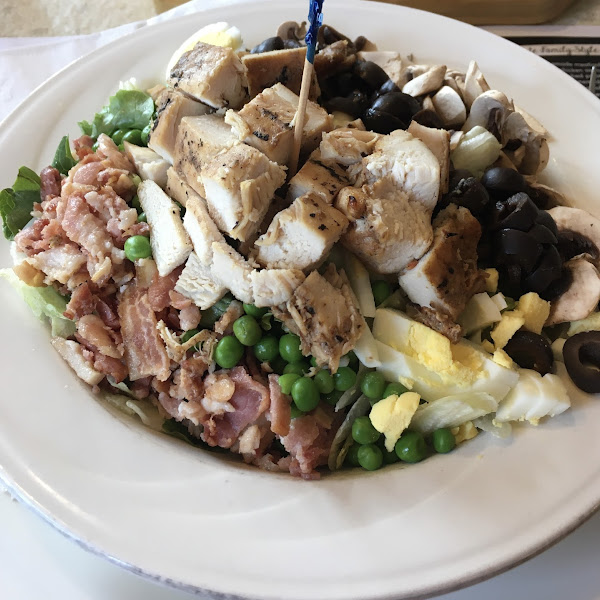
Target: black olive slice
x=517 y=212
x=429 y=118
x=354 y=104
x=581 y=354
x=547 y=272
x=545 y=218
x=530 y=351
x=471 y=194
x=542 y=234
x=381 y=122
x=519 y=245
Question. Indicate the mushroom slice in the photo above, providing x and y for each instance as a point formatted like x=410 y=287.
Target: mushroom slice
x=428 y=104
x=455 y=80
x=449 y=107
x=475 y=84
x=582 y=296
x=533 y=154
x=483 y=108
x=532 y=121
x=580 y=230
x=290 y=30
x=430 y=81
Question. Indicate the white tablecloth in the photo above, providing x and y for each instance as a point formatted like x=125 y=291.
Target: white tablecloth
x=38 y=562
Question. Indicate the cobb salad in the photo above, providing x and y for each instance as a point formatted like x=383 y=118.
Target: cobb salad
x=410 y=286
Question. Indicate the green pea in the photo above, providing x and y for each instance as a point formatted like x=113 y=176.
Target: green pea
x=344 y=379
x=133 y=136
x=352 y=457
x=142 y=218
x=394 y=389
x=267 y=349
x=324 y=381
x=187 y=335
x=363 y=431
x=289 y=347
x=254 y=311
x=305 y=394
x=211 y=315
x=313 y=362
x=389 y=458
x=443 y=440
x=300 y=368
x=353 y=361
x=146 y=134
x=135 y=203
x=278 y=365
x=381 y=291
x=137 y=246
x=411 y=447
x=228 y=352
x=296 y=412
x=373 y=385
x=117 y=136
x=247 y=330
x=370 y=457
x=333 y=397
x=286 y=381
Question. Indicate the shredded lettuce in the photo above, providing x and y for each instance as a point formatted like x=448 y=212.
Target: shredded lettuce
x=45 y=303
x=127 y=109
x=16 y=203
x=63 y=158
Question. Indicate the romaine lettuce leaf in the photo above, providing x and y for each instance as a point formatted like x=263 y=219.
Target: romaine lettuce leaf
x=16 y=203
x=127 y=109
x=63 y=158
x=45 y=303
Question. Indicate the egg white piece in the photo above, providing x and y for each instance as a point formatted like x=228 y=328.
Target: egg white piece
x=217 y=34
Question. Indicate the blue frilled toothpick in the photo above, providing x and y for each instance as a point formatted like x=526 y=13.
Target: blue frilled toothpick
x=315 y=20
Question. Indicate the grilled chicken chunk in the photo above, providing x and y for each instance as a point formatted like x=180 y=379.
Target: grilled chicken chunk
x=148 y=163
x=177 y=188
x=201 y=229
x=413 y=167
x=447 y=276
x=438 y=141
x=387 y=230
x=169 y=241
x=272 y=287
x=211 y=74
x=348 y=146
x=171 y=107
x=231 y=270
x=265 y=69
x=266 y=123
x=318 y=176
x=325 y=318
x=199 y=139
x=196 y=283
x=301 y=236
x=239 y=184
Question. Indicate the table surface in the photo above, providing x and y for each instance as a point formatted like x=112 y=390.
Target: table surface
x=37 y=561
x=59 y=17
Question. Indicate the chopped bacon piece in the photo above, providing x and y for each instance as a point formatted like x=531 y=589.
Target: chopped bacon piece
x=83 y=146
x=92 y=329
x=82 y=302
x=188 y=381
x=159 y=292
x=110 y=366
x=250 y=400
x=108 y=149
x=87 y=173
x=145 y=352
x=280 y=409
x=189 y=317
x=50 y=180
x=170 y=405
x=107 y=313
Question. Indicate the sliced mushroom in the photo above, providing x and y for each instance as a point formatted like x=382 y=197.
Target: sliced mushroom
x=428 y=104
x=290 y=30
x=579 y=230
x=582 y=296
x=485 y=107
x=475 y=84
x=455 y=139
x=504 y=161
x=456 y=80
x=532 y=121
x=533 y=153
x=430 y=81
x=450 y=107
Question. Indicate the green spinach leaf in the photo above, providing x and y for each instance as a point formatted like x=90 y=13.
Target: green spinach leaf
x=63 y=158
x=16 y=203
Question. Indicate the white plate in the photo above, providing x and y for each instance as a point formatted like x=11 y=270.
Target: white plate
x=194 y=520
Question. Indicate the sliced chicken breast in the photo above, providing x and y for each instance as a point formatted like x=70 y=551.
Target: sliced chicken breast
x=196 y=283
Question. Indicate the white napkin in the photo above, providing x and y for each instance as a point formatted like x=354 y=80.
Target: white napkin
x=25 y=63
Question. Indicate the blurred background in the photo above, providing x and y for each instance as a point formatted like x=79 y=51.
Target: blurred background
x=63 y=17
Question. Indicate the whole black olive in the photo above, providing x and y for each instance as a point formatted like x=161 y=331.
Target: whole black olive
x=344 y=83
x=388 y=86
x=517 y=247
x=502 y=182
x=270 y=44
x=471 y=194
x=547 y=272
x=353 y=105
x=360 y=42
x=328 y=35
x=429 y=118
x=542 y=234
x=517 y=212
x=372 y=74
x=398 y=104
x=530 y=351
x=291 y=44
x=581 y=354
x=381 y=122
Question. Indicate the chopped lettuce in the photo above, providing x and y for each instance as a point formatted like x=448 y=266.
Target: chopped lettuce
x=16 y=203
x=127 y=109
x=45 y=302
x=63 y=158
